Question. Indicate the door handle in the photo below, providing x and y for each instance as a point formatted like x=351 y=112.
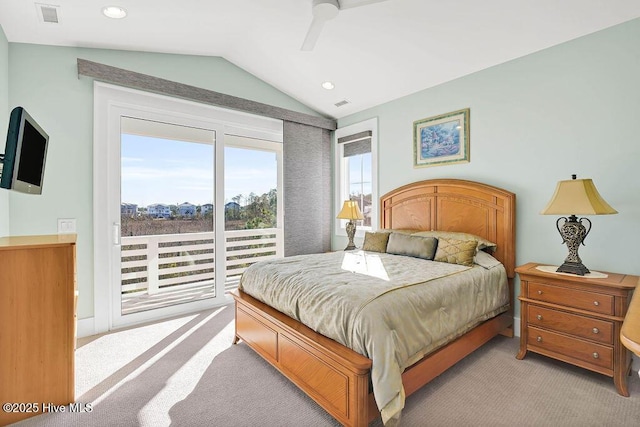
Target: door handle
x=116 y=233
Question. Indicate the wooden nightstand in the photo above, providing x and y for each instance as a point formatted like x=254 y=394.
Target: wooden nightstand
x=576 y=320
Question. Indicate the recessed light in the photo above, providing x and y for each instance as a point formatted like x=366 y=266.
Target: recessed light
x=328 y=85
x=115 y=12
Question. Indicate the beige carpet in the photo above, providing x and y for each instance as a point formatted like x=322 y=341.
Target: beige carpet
x=185 y=372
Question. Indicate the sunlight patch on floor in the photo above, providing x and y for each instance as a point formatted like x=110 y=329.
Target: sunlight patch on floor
x=185 y=380
x=119 y=349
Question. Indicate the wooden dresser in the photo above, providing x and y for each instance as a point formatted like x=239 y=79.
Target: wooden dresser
x=576 y=319
x=630 y=333
x=37 y=323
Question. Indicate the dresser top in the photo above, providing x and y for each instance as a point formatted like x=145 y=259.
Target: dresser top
x=614 y=280
x=13 y=242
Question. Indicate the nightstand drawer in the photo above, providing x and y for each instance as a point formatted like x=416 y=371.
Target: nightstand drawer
x=574 y=348
x=574 y=324
x=591 y=301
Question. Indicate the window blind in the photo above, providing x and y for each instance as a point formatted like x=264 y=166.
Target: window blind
x=359 y=143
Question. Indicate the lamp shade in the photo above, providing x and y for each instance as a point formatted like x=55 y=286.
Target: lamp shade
x=577 y=197
x=350 y=210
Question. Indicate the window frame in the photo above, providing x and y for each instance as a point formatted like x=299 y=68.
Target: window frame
x=341 y=190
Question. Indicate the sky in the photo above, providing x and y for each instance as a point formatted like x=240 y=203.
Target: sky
x=158 y=170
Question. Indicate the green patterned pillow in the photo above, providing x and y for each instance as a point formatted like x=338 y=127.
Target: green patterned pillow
x=456 y=251
x=482 y=243
x=375 y=242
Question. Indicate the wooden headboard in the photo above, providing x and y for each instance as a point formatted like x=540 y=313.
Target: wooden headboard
x=455 y=205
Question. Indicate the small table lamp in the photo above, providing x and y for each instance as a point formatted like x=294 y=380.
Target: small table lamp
x=350 y=211
x=575 y=196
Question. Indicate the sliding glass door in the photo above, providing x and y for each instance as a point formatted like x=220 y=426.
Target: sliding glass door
x=186 y=197
x=167 y=228
x=165 y=257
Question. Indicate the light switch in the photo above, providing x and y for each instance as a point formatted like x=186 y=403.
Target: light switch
x=66 y=225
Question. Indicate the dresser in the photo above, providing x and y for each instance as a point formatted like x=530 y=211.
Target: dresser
x=576 y=319
x=37 y=324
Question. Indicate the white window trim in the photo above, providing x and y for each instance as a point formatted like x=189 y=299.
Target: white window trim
x=339 y=190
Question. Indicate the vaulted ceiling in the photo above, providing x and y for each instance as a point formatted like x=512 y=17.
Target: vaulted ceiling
x=372 y=54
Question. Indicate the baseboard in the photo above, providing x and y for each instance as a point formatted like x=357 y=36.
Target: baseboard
x=85 y=327
x=516 y=326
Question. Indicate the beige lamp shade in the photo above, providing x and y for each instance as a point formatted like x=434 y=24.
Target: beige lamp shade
x=577 y=197
x=350 y=210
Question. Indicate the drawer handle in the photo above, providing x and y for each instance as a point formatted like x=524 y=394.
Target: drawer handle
x=539 y=292
x=596 y=355
x=539 y=339
x=596 y=303
x=596 y=330
x=539 y=317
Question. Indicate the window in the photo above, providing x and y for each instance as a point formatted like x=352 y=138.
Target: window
x=356 y=173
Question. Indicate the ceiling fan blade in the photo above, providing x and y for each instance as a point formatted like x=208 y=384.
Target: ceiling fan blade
x=313 y=34
x=348 y=4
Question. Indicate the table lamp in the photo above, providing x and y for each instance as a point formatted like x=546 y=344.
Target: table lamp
x=575 y=196
x=350 y=211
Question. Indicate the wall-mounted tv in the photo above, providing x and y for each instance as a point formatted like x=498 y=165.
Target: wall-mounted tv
x=24 y=154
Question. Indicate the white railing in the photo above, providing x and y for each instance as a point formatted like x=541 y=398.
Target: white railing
x=153 y=264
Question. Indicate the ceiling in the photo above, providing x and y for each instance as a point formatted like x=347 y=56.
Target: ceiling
x=372 y=54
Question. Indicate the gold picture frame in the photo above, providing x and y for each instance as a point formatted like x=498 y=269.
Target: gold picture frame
x=442 y=139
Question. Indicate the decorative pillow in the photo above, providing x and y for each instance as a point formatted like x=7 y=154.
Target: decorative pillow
x=375 y=242
x=485 y=260
x=456 y=251
x=482 y=243
x=415 y=246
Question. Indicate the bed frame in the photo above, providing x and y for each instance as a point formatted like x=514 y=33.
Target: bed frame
x=336 y=377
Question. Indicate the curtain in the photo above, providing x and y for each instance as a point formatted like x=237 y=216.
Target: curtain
x=307 y=189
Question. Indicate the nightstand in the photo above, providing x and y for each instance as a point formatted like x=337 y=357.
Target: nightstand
x=576 y=319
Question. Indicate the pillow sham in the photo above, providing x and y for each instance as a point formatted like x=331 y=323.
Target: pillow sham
x=485 y=260
x=482 y=242
x=415 y=246
x=375 y=242
x=456 y=251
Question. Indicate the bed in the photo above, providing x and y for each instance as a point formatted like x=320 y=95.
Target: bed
x=340 y=379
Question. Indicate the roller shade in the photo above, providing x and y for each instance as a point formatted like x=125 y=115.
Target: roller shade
x=359 y=143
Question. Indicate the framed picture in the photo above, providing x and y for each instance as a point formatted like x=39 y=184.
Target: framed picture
x=441 y=140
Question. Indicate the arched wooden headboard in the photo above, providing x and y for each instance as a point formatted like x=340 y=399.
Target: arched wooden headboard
x=455 y=205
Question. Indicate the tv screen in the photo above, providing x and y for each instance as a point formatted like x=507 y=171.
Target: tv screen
x=25 y=154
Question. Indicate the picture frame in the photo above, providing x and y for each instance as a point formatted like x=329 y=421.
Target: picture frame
x=442 y=139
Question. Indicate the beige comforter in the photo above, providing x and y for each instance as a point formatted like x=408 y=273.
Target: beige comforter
x=392 y=309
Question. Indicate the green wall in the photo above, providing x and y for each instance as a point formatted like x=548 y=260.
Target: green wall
x=4 y=120
x=572 y=108
x=45 y=81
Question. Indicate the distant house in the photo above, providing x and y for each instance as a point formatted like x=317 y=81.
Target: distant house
x=129 y=209
x=206 y=208
x=159 y=210
x=232 y=206
x=186 y=209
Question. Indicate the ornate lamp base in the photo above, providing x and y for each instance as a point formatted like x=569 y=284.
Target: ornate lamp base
x=351 y=231
x=573 y=268
x=573 y=233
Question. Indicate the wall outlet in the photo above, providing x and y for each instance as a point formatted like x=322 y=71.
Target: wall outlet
x=66 y=225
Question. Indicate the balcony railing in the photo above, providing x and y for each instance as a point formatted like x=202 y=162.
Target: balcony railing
x=158 y=264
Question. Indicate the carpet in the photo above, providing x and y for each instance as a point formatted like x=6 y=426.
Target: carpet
x=186 y=372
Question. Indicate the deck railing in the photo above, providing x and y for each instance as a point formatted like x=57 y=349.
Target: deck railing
x=158 y=263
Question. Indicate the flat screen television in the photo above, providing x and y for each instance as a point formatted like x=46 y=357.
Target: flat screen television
x=25 y=154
